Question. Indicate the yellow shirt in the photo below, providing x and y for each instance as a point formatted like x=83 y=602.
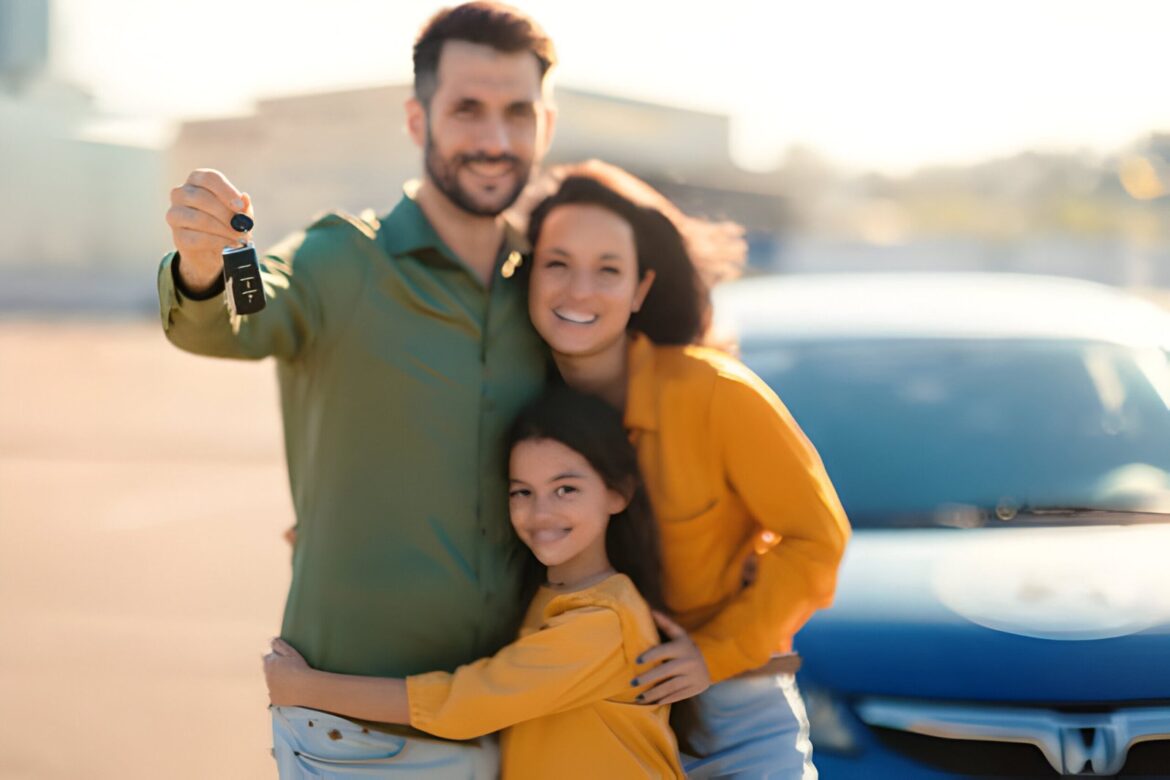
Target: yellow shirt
x=730 y=474
x=561 y=691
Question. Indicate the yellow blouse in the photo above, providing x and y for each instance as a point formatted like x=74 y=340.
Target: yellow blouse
x=561 y=691
x=730 y=475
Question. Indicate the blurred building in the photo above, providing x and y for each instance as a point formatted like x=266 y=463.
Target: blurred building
x=299 y=155
x=68 y=206
x=24 y=40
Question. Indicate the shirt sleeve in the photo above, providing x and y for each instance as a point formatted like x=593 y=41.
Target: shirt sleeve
x=576 y=659
x=300 y=276
x=773 y=468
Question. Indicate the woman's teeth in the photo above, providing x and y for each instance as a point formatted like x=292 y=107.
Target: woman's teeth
x=575 y=317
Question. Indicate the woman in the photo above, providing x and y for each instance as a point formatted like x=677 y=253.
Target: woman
x=735 y=485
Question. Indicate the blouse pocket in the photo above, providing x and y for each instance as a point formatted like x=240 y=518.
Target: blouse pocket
x=688 y=541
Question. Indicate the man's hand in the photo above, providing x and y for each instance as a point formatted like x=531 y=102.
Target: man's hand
x=285 y=671
x=200 y=218
x=681 y=672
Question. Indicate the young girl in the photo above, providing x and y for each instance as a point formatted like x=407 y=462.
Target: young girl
x=562 y=692
x=735 y=485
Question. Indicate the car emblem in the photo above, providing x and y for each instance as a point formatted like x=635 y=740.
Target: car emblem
x=1098 y=747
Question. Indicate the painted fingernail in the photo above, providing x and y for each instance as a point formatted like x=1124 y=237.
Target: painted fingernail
x=634 y=683
x=638 y=660
x=638 y=697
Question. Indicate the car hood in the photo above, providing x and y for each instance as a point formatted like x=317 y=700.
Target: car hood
x=998 y=614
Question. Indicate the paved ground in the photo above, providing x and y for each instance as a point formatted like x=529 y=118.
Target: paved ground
x=141 y=564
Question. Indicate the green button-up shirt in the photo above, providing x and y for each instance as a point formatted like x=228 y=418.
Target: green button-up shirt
x=400 y=373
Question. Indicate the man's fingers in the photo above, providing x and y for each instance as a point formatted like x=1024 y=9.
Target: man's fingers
x=202 y=200
x=660 y=693
x=219 y=186
x=668 y=626
x=196 y=221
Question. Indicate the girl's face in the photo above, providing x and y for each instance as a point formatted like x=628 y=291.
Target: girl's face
x=584 y=282
x=559 y=505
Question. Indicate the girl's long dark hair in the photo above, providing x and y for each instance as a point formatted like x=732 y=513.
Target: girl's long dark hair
x=688 y=255
x=592 y=428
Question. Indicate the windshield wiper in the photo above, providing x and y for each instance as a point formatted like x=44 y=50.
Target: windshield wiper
x=1048 y=509
x=1008 y=512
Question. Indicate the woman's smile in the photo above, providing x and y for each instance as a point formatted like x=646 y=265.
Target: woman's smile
x=575 y=317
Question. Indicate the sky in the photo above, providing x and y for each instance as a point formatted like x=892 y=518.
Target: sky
x=889 y=85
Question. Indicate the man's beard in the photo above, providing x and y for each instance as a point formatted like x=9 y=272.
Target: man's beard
x=445 y=175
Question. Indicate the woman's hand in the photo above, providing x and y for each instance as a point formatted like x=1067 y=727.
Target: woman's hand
x=681 y=671
x=285 y=672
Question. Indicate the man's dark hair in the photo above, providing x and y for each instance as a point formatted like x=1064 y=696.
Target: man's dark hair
x=502 y=27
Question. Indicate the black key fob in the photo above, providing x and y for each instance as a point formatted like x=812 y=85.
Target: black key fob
x=241 y=276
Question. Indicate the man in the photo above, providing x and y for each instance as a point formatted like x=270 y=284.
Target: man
x=403 y=351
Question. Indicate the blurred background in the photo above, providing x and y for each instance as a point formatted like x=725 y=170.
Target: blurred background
x=142 y=491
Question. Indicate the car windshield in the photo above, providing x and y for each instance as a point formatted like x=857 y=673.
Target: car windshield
x=968 y=432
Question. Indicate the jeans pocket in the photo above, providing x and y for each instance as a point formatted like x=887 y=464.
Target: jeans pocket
x=375 y=764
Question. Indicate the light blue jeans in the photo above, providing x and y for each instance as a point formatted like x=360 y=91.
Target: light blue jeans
x=746 y=727
x=311 y=744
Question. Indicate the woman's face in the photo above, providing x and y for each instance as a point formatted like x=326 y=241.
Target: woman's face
x=584 y=283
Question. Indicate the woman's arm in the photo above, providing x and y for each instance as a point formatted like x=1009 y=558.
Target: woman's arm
x=775 y=470
x=293 y=683
x=676 y=668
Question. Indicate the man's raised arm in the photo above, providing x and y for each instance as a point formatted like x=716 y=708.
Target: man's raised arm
x=190 y=279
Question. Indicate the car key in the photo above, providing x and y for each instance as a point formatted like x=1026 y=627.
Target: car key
x=243 y=288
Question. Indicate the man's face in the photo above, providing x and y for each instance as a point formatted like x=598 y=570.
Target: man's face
x=486 y=127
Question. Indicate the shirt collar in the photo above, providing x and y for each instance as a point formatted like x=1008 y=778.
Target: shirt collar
x=641 y=411
x=406 y=230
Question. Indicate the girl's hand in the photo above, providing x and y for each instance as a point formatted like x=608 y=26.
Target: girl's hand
x=681 y=672
x=284 y=671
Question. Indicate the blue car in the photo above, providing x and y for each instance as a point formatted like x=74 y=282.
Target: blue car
x=1001 y=444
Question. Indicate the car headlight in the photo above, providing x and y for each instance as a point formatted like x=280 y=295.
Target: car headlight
x=831 y=726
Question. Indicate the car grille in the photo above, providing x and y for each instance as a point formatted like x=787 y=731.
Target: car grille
x=977 y=740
